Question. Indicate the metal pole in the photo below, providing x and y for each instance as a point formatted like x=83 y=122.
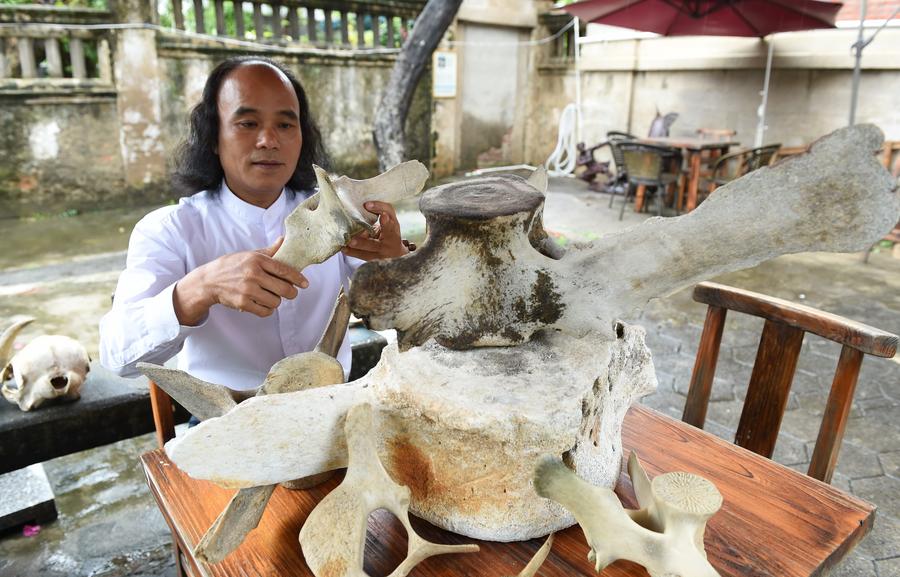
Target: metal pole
x=857 y=48
x=761 y=112
x=577 y=81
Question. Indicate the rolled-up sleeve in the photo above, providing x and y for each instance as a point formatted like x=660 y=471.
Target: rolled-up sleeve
x=142 y=326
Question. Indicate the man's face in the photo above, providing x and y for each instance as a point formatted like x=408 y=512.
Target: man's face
x=259 y=132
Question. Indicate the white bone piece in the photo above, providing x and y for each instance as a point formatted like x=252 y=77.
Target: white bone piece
x=294 y=373
x=49 y=368
x=540 y=556
x=484 y=276
x=334 y=535
x=665 y=535
x=323 y=223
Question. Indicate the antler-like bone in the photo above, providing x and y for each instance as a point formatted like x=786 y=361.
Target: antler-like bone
x=206 y=400
x=665 y=535
x=7 y=339
x=323 y=223
x=481 y=280
x=333 y=536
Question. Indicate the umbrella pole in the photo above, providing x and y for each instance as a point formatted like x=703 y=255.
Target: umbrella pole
x=578 y=137
x=857 y=49
x=761 y=112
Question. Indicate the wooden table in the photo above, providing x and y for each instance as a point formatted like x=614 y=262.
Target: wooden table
x=774 y=522
x=692 y=148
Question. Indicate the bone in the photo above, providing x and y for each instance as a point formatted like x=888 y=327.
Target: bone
x=540 y=556
x=6 y=343
x=228 y=531
x=333 y=336
x=48 y=369
x=481 y=279
x=202 y=399
x=321 y=225
x=674 y=512
x=334 y=535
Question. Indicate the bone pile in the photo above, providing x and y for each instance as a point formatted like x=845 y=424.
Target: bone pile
x=509 y=351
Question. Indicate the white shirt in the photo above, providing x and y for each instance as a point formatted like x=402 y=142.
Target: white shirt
x=230 y=348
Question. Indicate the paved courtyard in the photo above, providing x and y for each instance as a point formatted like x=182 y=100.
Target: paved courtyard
x=109 y=525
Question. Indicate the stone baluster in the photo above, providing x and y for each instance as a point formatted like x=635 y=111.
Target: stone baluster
x=345 y=29
x=276 y=21
x=4 y=70
x=198 y=17
x=329 y=28
x=293 y=24
x=239 y=19
x=178 y=13
x=54 y=58
x=26 y=58
x=311 y=26
x=360 y=30
x=258 y=21
x=390 y=30
x=76 y=56
x=220 y=18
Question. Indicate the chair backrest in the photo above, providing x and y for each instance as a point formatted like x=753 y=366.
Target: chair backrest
x=740 y=163
x=776 y=359
x=619 y=135
x=645 y=163
x=613 y=138
x=717 y=134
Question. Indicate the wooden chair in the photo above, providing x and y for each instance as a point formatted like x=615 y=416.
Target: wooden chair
x=737 y=164
x=770 y=381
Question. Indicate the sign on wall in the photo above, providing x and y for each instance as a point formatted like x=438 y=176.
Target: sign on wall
x=444 y=81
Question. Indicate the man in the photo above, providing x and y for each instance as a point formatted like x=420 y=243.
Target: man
x=200 y=278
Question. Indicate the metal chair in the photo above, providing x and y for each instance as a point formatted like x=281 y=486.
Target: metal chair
x=737 y=164
x=776 y=359
x=619 y=184
x=646 y=166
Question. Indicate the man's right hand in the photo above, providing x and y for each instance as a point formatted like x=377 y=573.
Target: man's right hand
x=249 y=281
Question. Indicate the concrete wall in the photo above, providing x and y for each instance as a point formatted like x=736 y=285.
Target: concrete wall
x=108 y=140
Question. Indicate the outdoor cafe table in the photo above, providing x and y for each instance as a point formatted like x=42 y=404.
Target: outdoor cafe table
x=774 y=521
x=692 y=148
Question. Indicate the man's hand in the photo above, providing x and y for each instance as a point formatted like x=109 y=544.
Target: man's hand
x=384 y=242
x=249 y=281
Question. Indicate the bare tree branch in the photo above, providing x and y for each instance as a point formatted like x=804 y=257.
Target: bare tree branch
x=390 y=139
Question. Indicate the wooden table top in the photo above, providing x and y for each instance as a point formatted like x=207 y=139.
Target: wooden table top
x=689 y=142
x=774 y=522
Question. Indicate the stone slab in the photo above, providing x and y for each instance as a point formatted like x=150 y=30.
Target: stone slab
x=26 y=497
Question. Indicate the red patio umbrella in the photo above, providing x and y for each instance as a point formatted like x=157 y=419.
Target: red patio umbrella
x=712 y=18
x=709 y=17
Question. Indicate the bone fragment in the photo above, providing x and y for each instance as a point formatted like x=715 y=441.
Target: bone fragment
x=241 y=516
x=334 y=333
x=333 y=536
x=485 y=276
x=323 y=223
x=665 y=535
x=540 y=556
x=202 y=399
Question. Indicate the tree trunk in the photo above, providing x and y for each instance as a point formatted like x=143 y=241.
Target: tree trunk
x=390 y=139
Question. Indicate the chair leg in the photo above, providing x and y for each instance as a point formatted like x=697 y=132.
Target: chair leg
x=660 y=195
x=624 y=201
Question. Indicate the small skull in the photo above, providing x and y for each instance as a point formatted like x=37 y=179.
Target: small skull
x=49 y=367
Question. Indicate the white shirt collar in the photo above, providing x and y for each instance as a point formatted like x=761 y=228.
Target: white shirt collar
x=249 y=211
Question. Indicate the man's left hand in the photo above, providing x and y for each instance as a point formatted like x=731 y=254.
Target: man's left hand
x=384 y=242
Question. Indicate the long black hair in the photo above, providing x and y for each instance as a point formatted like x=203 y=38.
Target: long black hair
x=197 y=166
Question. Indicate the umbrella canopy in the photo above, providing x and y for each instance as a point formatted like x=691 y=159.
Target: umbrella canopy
x=709 y=17
x=712 y=18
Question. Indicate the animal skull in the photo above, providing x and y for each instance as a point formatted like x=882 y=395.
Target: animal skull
x=665 y=535
x=50 y=367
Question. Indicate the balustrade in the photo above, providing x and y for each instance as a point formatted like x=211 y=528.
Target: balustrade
x=318 y=23
x=33 y=51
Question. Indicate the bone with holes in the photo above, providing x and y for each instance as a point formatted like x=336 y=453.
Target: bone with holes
x=665 y=535
x=460 y=422
x=323 y=223
x=49 y=368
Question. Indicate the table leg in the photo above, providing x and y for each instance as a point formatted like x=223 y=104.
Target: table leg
x=639 y=197
x=694 y=181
